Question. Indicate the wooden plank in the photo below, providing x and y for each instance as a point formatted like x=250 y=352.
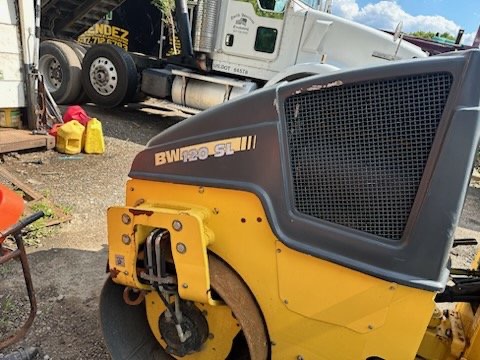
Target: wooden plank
x=16 y=140
x=18 y=184
x=33 y=197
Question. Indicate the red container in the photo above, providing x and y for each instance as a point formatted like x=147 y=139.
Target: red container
x=76 y=112
x=53 y=131
x=11 y=207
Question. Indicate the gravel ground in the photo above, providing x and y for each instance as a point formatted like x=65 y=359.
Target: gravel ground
x=68 y=265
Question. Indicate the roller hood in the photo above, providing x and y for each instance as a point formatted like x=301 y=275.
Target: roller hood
x=367 y=168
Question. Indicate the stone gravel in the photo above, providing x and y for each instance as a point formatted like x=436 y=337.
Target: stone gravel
x=68 y=266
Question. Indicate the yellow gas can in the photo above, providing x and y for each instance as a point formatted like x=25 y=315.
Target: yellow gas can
x=69 y=138
x=94 y=141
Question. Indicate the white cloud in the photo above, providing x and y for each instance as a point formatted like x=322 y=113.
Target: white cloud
x=468 y=38
x=387 y=14
x=346 y=8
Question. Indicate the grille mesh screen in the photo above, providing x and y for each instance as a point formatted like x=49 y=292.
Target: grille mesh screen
x=358 y=152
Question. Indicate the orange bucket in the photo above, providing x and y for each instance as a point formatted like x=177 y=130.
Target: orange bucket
x=11 y=207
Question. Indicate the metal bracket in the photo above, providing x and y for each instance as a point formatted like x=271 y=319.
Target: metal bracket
x=189 y=237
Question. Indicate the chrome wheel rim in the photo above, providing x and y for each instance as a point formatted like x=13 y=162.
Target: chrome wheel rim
x=52 y=73
x=103 y=76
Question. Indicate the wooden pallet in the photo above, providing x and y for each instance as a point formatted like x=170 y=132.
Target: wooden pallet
x=16 y=140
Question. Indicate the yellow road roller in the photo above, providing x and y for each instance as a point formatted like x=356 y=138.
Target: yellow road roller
x=311 y=220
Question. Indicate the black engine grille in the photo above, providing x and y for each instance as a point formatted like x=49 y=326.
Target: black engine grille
x=358 y=151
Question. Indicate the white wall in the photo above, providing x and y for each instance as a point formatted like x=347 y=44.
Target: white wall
x=12 y=92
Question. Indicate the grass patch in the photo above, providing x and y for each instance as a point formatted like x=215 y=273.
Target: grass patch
x=37 y=231
x=40 y=229
x=45 y=207
x=67 y=209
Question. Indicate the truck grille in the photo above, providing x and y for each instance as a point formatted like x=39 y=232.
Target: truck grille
x=358 y=151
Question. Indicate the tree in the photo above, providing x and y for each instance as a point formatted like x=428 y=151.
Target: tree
x=429 y=35
x=167 y=7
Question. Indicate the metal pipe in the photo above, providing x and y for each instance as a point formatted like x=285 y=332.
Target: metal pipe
x=206 y=25
x=22 y=331
x=181 y=15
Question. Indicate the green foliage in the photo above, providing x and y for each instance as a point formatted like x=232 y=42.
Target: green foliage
x=429 y=35
x=39 y=228
x=165 y=6
x=423 y=34
x=40 y=206
x=448 y=36
x=37 y=231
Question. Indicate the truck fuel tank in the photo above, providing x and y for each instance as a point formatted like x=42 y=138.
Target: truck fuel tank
x=202 y=92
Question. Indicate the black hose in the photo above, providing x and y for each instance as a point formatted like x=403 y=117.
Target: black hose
x=22 y=224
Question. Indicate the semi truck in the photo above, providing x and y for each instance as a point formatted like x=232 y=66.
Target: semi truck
x=227 y=49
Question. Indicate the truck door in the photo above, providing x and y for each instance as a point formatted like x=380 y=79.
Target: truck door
x=253 y=28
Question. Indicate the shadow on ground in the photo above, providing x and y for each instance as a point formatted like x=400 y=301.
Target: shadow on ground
x=67 y=284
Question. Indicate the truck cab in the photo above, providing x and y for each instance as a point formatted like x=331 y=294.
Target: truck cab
x=260 y=38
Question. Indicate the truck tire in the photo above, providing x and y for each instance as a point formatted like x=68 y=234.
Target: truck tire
x=80 y=51
x=109 y=75
x=61 y=70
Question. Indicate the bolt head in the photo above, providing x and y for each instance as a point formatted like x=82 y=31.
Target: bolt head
x=185 y=285
x=126 y=219
x=181 y=248
x=177 y=225
x=126 y=239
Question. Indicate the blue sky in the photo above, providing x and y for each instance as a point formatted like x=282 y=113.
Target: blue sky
x=427 y=15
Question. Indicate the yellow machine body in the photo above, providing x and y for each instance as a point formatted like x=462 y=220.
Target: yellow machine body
x=311 y=220
x=313 y=309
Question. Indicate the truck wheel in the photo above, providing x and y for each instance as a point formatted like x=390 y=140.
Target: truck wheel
x=109 y=75
x=80 y=51
x=61 y=70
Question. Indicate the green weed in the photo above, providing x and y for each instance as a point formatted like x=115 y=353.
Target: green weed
x=41 y=206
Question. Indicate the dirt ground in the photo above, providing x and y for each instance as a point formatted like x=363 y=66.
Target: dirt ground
x=68 y=264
